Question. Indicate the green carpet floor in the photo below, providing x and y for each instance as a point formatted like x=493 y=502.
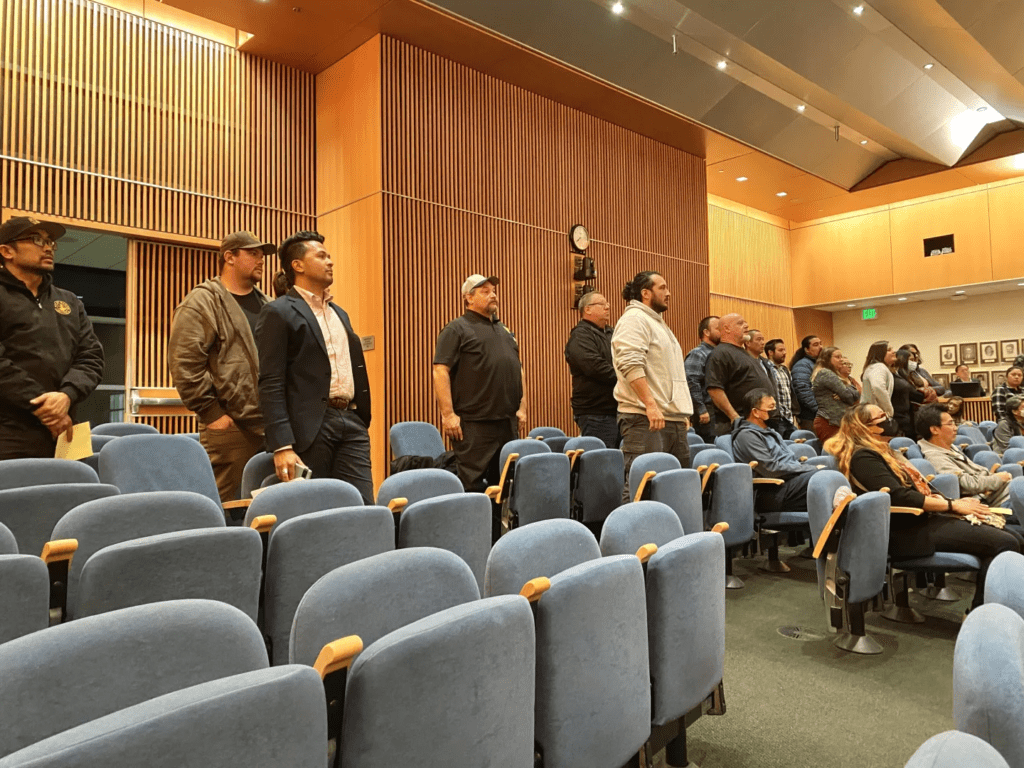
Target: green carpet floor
x=798 y=703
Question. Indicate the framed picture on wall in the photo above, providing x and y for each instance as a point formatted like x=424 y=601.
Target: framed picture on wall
x=942 y=378
x=947 y=354
x=1009 y=350
x=998 y=378
x=989 y=352
x=983 y=377
x=969 y=353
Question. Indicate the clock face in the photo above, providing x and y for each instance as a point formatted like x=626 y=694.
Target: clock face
x=580 y=237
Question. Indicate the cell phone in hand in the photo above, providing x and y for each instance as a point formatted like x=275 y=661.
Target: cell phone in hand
x=302 y=472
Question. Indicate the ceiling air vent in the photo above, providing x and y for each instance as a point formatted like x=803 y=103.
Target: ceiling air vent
x=938 y=246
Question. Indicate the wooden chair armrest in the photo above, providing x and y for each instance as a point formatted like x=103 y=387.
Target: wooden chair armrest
x=831 y=524
x=800 y=440
x=803 y=458
x=768 y=481
x=904 y=449
x=753 y=464
x=539 y=437
x=509 y=467
x=59 y=550
x=237 y=504
x=719 y=527
x=906 y=510
x=994 y=467
x=263 y=523
x=646 y=552
x=708 y=472
x=396 y=505
x=648 y=476
x=929 y=478
x=573 y=455
x=493 y=492
x=338 y=654
x=534 y=588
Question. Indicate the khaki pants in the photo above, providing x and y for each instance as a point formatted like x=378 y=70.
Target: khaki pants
x=229 y=449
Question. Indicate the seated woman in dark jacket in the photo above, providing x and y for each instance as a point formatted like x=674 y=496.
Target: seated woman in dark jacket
x=872 y=465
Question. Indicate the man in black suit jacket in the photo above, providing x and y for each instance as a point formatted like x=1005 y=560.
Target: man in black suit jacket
x=314 y=391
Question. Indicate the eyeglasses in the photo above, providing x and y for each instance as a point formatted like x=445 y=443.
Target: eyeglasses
x=43 y=241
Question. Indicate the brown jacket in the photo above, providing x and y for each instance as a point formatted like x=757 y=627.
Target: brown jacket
x=212 y=357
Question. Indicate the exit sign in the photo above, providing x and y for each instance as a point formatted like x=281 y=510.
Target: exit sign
x=869 y=314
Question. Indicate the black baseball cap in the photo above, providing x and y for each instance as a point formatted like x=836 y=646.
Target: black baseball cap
x=16 y=226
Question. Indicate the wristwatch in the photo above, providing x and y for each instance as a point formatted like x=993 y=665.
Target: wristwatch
x=949 y=503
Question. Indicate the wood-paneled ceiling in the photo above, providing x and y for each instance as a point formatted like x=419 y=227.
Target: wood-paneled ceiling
x=830 y=101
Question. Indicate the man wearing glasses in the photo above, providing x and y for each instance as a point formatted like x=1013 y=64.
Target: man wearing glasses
x=50 y=358
x=213 y=360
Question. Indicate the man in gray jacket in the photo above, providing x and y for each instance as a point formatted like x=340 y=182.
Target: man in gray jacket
x=654 y=405
x=991 y=488
x=213 y=359
x=753 y=440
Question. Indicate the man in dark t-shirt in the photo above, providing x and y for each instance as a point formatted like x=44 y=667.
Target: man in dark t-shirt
x=478 y=382
x=731 y=373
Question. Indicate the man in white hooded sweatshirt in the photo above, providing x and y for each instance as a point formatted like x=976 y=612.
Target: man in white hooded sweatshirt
x=652 y=394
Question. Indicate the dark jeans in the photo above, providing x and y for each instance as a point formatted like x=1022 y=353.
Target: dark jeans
x=638 y=439
x=19 y=441
x=706 y=431
x=342 y=451
x=983 y=541
x=604 y=426
x=791 y=496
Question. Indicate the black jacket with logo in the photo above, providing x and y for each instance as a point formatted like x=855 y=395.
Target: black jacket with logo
x=589 y=355
x=47 y=344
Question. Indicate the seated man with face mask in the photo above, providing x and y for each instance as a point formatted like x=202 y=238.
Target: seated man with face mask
x=753 y=440
x=938 y=431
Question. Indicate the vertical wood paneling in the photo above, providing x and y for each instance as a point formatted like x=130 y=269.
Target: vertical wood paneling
x=773 y=321
x=481 y=176
x=118 y=120
x=160 y=275
x=748 y=258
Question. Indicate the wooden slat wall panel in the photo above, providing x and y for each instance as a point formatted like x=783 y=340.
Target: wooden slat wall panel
x=816 y=322
x=159 y=277
x=749 y=258
x=480 y=176
x=114 y=119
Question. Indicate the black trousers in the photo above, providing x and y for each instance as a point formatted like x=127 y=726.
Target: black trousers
x=477 y=453
x=791 y=496
x=983 y=541
x=342 y=451
x=22 y=441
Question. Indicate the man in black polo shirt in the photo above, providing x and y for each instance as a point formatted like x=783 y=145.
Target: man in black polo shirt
x=589 y=355
x=731 y=373
x=478 y=382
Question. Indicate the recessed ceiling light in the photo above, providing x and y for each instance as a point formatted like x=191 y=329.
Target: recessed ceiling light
x=859 y=10
x=722 y=64
x=957 y=293
x=863 y=141
x=983 y=109
x=741 y=178
x=780 y=194
x=851 y=305
x=1020 y=283
x=618 y=8
x=902 y=298
x=929 y=65
x=721 y=170
x=801 y=108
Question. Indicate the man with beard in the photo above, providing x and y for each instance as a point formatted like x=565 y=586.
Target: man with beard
x=50 y=358
x=213 y=361
x=696 y=361
x=732 y=372
x=652 y=391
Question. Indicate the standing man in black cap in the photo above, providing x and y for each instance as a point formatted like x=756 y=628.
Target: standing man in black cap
x=50 y=358
x=213 y=360
x=479 y=384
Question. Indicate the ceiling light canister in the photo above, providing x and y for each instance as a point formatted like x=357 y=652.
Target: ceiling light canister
x=858 y=10
x=801 y=108
x=618 y=8
x=929 y=65
x=863 y=141
x=781 y=194
x=741 y=178
x=722 y=64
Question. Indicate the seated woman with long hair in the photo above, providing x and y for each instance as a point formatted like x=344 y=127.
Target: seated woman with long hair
x=831 y=392
x=1011 y=425
x=872 y=465
x=955 y=408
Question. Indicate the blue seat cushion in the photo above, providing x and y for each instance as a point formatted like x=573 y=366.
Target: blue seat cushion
x=775 y=519
x=944 y=561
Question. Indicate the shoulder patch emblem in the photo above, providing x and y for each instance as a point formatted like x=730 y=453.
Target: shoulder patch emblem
x=62 y=307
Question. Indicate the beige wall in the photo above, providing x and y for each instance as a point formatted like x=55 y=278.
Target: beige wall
x=880 y=252
x=931 y=323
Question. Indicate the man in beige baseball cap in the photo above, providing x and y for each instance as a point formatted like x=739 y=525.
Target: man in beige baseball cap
x=478 y=382
x=213 y=359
